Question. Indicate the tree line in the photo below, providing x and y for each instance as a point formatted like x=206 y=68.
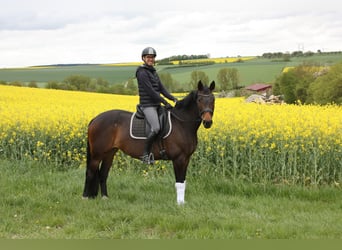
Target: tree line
x=168 y=60
x=310 y=83
x=287 y=56
x=83 y=83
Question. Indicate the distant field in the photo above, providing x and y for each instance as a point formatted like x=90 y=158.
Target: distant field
x=250 y=70
x=216 y=60
x=113 y=74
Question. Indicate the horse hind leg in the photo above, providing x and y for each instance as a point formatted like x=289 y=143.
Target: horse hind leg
x=91 y=186
x=104 y=170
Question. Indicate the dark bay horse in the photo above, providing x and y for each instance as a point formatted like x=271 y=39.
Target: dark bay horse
x=109 y=131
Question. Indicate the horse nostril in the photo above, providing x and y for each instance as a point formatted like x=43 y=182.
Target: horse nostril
x=207 y=124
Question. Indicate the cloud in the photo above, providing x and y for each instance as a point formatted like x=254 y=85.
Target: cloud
x=47 y=32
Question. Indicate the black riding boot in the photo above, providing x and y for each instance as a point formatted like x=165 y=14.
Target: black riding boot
x=148 y=157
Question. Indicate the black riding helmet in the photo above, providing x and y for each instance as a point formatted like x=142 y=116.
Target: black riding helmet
x=148 y=51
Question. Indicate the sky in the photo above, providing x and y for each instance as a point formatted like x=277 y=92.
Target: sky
x=44 y=32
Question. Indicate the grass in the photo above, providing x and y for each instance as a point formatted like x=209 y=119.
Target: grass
x=256 y=70
x=113 y=74
x=250 y=71
x=38 y=203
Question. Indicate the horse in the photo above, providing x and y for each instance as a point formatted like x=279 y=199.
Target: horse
x=109 y=132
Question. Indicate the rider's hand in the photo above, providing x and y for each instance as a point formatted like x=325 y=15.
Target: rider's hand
x=168 y=106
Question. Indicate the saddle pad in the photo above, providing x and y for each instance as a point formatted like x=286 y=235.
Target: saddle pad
x=137 y=127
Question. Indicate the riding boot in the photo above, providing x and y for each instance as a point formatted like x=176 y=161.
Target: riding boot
x=148 y=157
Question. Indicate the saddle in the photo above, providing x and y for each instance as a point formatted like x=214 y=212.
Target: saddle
x=139 y=127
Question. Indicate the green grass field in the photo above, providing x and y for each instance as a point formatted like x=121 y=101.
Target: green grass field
x=116 y=74
x=250 y=71
x=38 y=202
x=256 y=70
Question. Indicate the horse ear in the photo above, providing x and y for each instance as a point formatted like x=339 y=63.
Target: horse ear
x=212 y=86
x=200 y=85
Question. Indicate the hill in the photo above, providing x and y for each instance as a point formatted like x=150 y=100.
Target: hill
x=250 y=71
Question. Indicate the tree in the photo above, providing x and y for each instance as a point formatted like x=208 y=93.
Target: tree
x=101 y=82
x=294 y=84
x=131 y=87
x=167 y=80
x=327 y=88
x=286 y=83
x=234 y=77
x=17 y=83
x=99 y=85
x=306 y=74
x=32 y=84
x=196 y=76
x=228 y=78
x=223 y=79
x=52 y=85
x=78 y=82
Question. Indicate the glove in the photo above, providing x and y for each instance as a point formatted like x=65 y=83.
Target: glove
x=168 y=106
x=175 y=100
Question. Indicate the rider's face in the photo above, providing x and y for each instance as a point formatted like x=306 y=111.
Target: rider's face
x=149 y=60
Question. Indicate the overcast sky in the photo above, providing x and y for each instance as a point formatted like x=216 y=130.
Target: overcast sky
x=40 y=32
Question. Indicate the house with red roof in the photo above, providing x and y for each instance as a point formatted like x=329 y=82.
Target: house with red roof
x=259 y=88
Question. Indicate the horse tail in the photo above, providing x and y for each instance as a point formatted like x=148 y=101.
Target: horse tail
x=88 y=147
x=88 y=153
x=91 y=186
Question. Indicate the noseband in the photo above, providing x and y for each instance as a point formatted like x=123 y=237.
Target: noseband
x=206 y=110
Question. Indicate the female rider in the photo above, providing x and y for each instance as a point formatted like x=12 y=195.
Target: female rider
x=150 y=88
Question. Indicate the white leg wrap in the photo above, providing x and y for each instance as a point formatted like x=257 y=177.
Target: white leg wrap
x=180 y=189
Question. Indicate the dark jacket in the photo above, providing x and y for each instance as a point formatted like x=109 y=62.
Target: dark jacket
x=150 y=87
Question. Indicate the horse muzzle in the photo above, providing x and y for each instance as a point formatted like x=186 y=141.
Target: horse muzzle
x=207 y=118
x=207 y=124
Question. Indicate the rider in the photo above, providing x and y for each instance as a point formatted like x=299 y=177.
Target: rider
x=150 y=88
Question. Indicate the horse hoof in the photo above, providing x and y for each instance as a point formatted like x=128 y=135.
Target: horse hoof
x=105 y=197
x=84 y=198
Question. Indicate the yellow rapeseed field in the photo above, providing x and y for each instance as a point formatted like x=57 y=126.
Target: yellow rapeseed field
x=252 y=142
x=191 y=61
x=216 y=60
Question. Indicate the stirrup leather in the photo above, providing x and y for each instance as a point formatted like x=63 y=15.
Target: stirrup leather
x=148 y=159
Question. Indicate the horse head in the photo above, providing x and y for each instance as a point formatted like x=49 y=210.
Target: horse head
x=206 y=103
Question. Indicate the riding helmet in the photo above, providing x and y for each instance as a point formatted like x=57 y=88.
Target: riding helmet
x=149 y=51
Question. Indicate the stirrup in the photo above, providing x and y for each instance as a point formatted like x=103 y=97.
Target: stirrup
x=148 y=159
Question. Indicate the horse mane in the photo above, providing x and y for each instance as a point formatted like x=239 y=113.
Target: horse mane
x=187 y=101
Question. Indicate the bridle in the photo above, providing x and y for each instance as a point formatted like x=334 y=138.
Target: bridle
x=206 y=110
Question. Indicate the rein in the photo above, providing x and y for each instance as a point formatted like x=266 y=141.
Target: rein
x=182 y=120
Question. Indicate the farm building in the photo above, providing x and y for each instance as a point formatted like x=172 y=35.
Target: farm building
x=260 y=88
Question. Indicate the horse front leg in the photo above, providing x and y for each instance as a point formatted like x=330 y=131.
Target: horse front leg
x=180 y=166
